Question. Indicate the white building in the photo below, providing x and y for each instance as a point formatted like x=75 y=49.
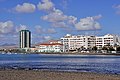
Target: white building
x=71 y=42
x=75 y=42
x=108 y=39
x=50 y=46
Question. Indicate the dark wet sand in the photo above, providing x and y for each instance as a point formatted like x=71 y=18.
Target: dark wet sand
x=50 y=75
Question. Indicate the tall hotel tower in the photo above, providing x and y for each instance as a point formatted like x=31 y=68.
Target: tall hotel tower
x=25 y=39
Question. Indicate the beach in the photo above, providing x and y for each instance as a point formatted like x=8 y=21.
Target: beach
x=54 y=75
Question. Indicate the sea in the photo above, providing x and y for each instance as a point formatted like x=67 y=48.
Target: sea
x=109 y=64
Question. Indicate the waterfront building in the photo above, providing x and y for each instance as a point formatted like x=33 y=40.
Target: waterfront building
x=25 y=39
x=108 y=39
x=75 y=42
x=50 y=46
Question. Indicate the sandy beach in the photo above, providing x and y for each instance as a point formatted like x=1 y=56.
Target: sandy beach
x=50 y=75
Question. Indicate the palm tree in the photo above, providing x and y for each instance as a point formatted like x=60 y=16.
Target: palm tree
x=104 y=48
x=118 y=48
x=94 y=48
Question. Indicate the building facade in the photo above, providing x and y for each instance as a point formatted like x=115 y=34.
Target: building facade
x=108 y=39
x=50 y=46
x=73 y=42
x=25 y=39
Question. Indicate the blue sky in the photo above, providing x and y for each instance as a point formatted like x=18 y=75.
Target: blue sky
x=52 y=19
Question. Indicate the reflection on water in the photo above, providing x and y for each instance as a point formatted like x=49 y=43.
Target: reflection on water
x=79 y=63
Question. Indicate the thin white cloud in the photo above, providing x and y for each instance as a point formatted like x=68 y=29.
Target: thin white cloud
x=72 y=19
x=22 y=27
x=97 y=17
x=51 y=31
x=59 y=24
x=41 y=38
x=47 y=38
x=117 y=7
x=25 y=8
x=6 y=27
x=45 y=5
x=64 y=4
x=41 y=30
x=87 y=23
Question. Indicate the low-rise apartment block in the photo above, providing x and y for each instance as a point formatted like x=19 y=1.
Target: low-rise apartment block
x=74 y=42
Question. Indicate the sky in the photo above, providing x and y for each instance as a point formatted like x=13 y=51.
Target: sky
x=53 y=19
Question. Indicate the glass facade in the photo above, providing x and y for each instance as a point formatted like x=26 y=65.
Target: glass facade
x=25 y=39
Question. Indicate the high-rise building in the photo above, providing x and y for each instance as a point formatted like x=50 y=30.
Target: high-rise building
x=25 y=39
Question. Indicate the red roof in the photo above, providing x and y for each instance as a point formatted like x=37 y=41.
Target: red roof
x=47 y=44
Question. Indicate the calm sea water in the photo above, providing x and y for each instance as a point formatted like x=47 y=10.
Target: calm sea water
x=78 y=63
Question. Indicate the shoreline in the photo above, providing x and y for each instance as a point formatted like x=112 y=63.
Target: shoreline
x=69 y=53
x=54 y=75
